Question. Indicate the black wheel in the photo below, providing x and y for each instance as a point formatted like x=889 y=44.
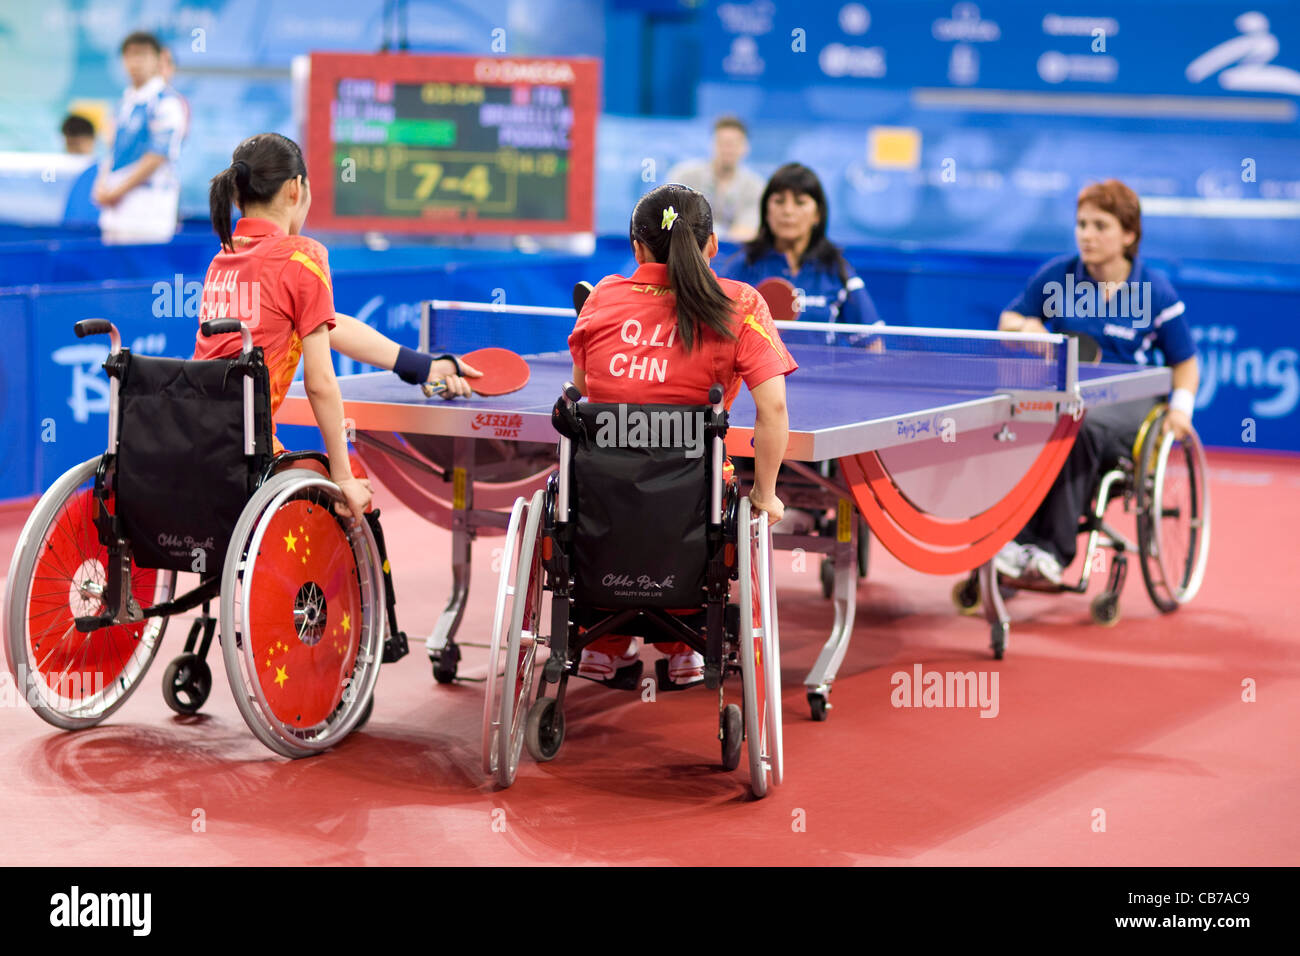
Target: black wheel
x=1105 y=609
x=732 y=724
x=365 y=714
x=187 y=683
x=864 y=542
x=828 y=578
x=966 y=595
x=818 y=705
x=1000 y=633
x=544 y=729
x=445 y=663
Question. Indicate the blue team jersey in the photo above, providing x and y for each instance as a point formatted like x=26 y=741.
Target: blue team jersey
x=826 y=298
x=150 y=119
x=1142 y=313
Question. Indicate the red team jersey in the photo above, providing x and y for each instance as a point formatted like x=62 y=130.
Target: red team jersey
x=278 y=285
x=626 y=342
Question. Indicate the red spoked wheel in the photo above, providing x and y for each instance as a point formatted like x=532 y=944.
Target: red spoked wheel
x=301 y=615
x=58 y=573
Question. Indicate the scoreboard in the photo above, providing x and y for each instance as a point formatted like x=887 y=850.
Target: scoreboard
x=410 y=143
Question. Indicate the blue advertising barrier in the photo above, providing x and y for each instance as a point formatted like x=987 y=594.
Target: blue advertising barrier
x=55 y=394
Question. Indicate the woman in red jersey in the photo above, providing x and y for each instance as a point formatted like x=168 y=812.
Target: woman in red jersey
x=277 y=282
x=666 y=334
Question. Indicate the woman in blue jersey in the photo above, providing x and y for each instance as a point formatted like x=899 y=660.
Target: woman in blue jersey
x=792 y=244
x=1132 y=311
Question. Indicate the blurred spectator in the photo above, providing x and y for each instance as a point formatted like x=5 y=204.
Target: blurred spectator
x=732 y=190
x=78 y=135
x=138 y=189
x=167 y=70
x=79 y=140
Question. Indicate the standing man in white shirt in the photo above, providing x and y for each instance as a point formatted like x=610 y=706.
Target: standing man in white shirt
x=138 y=190
x=732 y=190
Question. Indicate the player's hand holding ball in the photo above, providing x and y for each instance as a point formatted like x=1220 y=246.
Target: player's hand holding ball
x=454 y=386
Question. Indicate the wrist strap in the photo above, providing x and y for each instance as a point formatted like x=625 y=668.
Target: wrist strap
x=412 y=366
x=1183 y=400
x=450 y=358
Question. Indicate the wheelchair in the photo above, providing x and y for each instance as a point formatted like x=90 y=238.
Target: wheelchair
x=1165 y=484
x=660 y=570
x=189 y=483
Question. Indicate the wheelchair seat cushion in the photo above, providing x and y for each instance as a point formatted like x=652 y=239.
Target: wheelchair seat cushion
x=182 y=476
x=641 y=537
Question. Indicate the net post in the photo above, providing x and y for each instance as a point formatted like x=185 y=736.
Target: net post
x=426 y=317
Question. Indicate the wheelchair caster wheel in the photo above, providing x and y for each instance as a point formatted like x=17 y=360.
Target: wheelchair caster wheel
x=445 y=663
x=1105 y=609
x=1000 y=633
x=186 y=684
x=544 y=731
x=732 y=727
x=828 y=578
x=365 y=714
x=966 y=596
x=818 y=705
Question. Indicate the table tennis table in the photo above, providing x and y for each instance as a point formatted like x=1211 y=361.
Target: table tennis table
x=944 y=441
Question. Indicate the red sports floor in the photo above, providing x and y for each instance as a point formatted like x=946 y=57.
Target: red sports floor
x=1144 y=721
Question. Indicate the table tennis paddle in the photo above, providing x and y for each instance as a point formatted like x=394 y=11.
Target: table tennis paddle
x=503 y=372
x=781 y=298
x=580 y=293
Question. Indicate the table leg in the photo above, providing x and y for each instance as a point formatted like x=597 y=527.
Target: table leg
x=995 y=612
x=844 y=557
x=441 y=645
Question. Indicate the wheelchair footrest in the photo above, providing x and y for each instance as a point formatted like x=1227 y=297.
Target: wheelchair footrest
x=625 y=678
x=666 y=683
x=395 y=647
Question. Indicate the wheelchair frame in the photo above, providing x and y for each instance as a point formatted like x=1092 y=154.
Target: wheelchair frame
x=538 y=558
x=1129 y=482
x=187 y=681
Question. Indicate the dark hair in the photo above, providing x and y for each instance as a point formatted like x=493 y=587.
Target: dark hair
x=1118 y=199
x=730 y=122
x=75 y=125
x=259 y=166
x=802 y=181
x=141 y=38
x=675 y=222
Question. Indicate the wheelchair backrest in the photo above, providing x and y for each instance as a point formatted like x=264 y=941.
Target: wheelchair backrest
x=640 y=485
x=182 y=478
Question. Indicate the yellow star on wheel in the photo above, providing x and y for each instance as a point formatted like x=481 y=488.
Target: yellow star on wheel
x=346 y=623
x=281 y=676
x=290 y=542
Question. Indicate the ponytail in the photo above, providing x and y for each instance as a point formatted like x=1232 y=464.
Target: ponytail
x=260 y=166
x=675 y=222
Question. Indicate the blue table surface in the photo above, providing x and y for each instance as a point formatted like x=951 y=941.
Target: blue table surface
x=819 y=396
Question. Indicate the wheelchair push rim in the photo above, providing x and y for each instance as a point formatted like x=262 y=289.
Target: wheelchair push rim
x=501 y=616
x=302 y=624
x=761 y=707
x=523 y=638
x=1174 y=528
x=74 y=680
